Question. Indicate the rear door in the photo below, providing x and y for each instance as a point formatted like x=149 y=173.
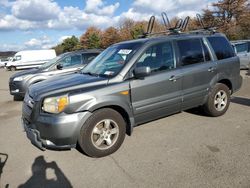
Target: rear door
x=159 y=94
x=198 y=69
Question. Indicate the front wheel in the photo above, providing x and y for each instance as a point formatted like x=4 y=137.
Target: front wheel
x=103 y=133
x=218 y=100
x=12 y=68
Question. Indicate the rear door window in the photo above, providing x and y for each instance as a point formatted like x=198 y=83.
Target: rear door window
x=191 y=51
x=221 y=47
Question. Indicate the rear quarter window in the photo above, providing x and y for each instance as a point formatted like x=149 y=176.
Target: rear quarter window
x=221 y=47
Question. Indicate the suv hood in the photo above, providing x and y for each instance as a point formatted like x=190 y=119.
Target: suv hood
x=63 y=84
x=26 y=72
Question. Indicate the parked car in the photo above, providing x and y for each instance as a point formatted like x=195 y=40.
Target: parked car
x=128 y=84
x=2 y=63
x=242 y=49
x=30 y=59
x=66 y=63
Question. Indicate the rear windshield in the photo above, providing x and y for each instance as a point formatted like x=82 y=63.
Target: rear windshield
x=222 y=48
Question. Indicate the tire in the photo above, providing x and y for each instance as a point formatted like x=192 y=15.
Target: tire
x=96 y=140
x=17 y=98
x=218 y=100
x=12 y=68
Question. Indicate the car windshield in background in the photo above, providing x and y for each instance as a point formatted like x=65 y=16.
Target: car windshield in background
x=51 y=62
x=110 y=62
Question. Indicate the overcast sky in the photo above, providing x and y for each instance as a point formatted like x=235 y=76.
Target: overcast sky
x=36 y=24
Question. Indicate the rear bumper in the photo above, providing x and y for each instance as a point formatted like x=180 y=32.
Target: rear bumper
x=237 y=84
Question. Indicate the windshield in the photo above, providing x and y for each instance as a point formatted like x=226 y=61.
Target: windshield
x=51 y=62
x=110 y=62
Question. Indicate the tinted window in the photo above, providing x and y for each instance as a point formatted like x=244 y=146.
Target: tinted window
x=241 y=47
x=71 y=61
x=221 y=47
x=248 y=46
x=190 y=51
x=158 y=57
x=88 y=57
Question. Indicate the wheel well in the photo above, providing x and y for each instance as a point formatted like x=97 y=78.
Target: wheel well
x=124 y=114
x=227 y=83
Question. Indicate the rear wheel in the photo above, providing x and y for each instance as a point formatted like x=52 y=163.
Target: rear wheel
x=218 y=100
x=103 y=133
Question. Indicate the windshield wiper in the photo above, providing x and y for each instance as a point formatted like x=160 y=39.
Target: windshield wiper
x=91 y=74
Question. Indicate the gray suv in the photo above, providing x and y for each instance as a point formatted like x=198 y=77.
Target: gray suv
x=128 y=84
x=66 y=63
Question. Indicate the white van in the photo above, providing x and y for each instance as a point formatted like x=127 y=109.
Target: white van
x=30 y=59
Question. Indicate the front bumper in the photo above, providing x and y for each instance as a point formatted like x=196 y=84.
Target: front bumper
x=17 y=88
x=53 y=131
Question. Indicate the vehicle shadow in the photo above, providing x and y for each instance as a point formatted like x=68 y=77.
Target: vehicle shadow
x=40 y=178
x=199 y=111
x=241 y=100
x=3 y=160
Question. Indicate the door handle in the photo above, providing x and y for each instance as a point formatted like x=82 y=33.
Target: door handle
x=174 y=78
x=211 y=69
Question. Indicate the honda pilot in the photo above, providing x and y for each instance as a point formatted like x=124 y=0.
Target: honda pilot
x=128 y=84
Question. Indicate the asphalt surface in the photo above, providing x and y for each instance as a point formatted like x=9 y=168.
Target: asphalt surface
x=187 y=149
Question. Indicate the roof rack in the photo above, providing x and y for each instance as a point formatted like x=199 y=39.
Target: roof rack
x=204 y=29
x=179 y=28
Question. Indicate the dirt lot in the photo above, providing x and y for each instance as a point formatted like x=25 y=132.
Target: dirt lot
x=183 y=150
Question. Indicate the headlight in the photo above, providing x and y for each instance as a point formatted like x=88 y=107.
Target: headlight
x=21 y=78
x=55 y=105
x=18 y=78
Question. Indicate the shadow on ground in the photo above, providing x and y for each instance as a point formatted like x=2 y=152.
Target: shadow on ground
x=241 y=100
x=40 y=172
x=199 y=111
x=3 y=160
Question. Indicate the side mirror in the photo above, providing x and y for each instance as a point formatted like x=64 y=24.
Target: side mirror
x=141 y=72
x=59 y=66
